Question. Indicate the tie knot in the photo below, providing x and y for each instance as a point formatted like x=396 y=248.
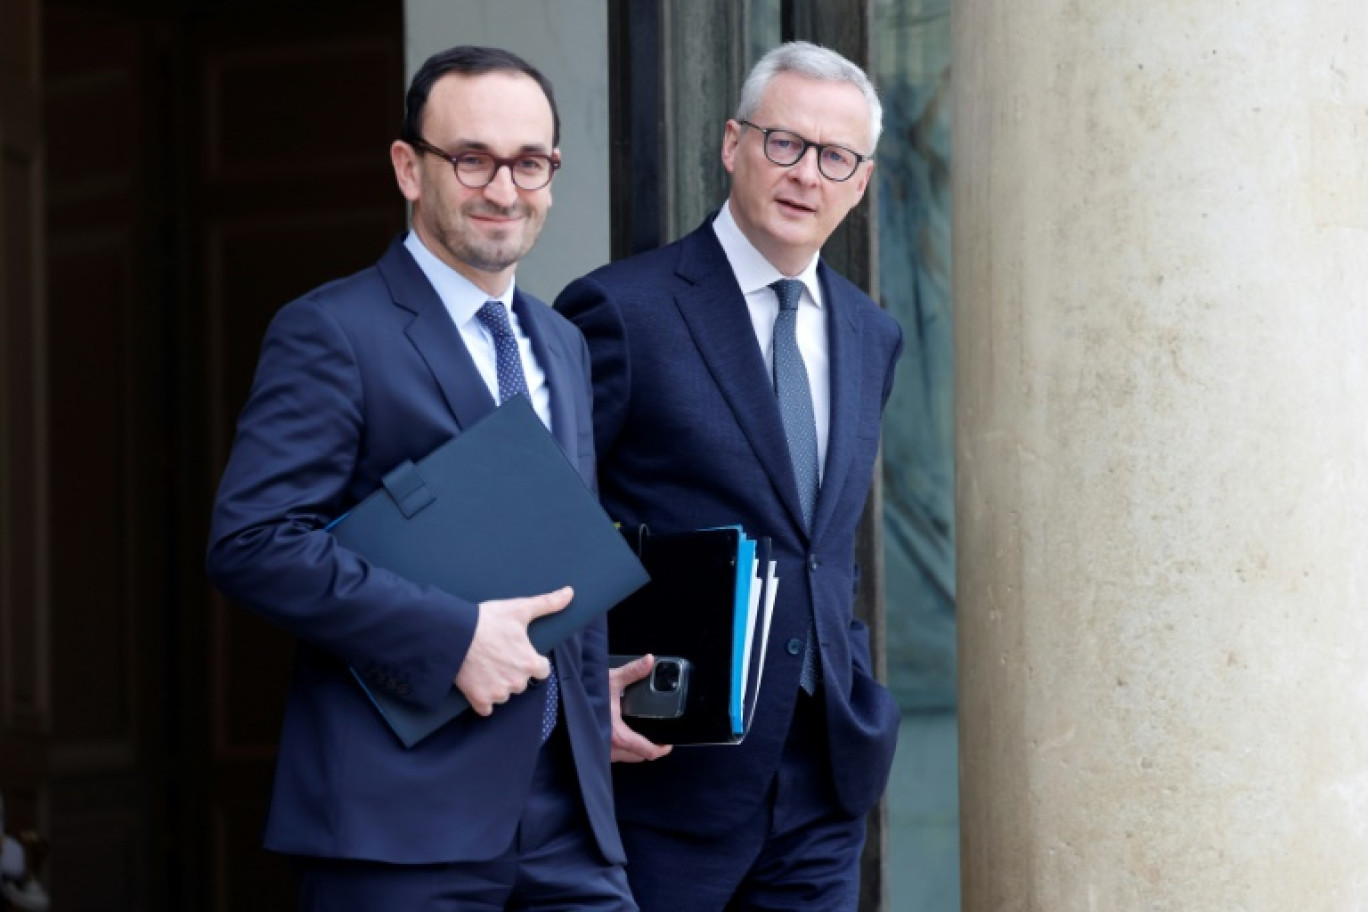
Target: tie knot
x=495 y=317
x=789 y=291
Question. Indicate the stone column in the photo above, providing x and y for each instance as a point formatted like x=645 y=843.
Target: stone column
x=1161 y=292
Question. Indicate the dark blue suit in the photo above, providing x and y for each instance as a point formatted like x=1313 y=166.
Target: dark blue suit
x=689 y=435
x=355 y=377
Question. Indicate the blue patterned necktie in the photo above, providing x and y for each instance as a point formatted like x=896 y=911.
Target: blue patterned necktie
x=800 y=427
x=513 y=382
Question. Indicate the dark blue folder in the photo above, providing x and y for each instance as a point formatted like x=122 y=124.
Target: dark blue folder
x=495 y=512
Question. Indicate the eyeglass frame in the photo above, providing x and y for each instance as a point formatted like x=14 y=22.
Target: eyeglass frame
x=422 y=145
x=807 y=144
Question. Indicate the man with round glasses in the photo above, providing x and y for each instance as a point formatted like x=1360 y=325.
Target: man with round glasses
x=510 y=804
x=782 y=147
x=738 y=379
x=476 y=169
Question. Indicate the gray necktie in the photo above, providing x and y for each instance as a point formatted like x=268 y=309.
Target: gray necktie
x=800 y=427
x=513 y=382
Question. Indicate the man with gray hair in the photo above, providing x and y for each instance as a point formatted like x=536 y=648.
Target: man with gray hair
x=739 y=380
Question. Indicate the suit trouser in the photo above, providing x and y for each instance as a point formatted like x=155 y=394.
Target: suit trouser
x=553 y=863
x=798 y=851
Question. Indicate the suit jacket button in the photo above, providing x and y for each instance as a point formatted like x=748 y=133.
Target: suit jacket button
x=812 y=563
x=794 y=646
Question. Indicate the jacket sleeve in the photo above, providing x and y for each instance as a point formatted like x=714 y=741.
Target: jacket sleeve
x=588 y=305
x=859 y=632
x=595 y=638
x=290 y=472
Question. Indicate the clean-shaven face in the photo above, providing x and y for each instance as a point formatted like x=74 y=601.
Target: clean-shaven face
x=788 y=213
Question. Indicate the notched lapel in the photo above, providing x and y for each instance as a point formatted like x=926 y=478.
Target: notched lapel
x=843 y=343
x=436 y=337
x=557 y=364
x=715 y=312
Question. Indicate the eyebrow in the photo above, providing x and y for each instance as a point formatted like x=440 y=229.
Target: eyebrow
x=474 y=146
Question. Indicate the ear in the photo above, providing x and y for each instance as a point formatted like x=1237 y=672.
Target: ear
x=404 y=158
x=731 y=140
x=556 y=154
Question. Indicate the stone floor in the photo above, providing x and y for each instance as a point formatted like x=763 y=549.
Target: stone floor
x=923 y=812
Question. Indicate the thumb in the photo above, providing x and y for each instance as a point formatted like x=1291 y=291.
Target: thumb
x=550 y=602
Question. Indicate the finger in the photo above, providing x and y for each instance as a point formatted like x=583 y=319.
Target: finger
x=630 y=673
x=541 y=668
x=627 y=738
x=542 y=605
x=630 y=747
x=656 y=751
x=630 y=754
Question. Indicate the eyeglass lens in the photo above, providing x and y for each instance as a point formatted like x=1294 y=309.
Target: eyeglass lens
x=785 y=148
x=477 y=169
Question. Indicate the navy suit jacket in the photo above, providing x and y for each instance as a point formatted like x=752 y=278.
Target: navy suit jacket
x=688 y=434
x=353 y=378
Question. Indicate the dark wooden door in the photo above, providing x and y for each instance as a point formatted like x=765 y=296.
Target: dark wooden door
x=173 y=172
x=291 y=187
x=23 y=697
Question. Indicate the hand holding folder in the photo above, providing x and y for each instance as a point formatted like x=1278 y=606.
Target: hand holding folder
x=501 y=659
x=709 y=601
x=496 y=512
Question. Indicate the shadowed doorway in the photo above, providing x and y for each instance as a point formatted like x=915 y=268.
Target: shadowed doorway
x=196 y=165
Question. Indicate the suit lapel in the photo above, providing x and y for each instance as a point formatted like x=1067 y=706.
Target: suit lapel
x=436 y=337
x=715 y=312
x=556 y=362
x=439 y=342
x=843 y=345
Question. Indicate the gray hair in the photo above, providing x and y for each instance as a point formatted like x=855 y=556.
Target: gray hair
x=814 y=62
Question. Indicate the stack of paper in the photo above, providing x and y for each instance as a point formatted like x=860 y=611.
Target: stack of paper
x=709 y=601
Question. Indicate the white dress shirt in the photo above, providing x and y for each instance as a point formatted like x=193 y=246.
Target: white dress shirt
x=462 y=300
x=755 y=274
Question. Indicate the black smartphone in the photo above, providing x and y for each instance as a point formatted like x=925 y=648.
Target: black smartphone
x=659 y=695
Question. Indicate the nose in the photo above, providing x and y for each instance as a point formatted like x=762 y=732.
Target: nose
x=501 y=187
x=806 y=168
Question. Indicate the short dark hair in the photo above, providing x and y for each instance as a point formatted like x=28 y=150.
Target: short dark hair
x=467 y=60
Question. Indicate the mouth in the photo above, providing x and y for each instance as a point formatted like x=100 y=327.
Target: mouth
x=795 y=207
x=496 y=217
x=497 y=221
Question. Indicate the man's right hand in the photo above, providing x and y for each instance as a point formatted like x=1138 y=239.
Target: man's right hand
x=501 y=660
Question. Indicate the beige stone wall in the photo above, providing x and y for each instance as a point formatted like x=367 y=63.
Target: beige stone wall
x=1161 y=293
x=568 y=41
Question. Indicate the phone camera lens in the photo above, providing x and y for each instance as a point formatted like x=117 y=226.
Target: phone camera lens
x=666 y=677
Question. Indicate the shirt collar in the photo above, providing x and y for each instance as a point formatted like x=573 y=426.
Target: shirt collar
x=753 y=272
x=460 y=295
